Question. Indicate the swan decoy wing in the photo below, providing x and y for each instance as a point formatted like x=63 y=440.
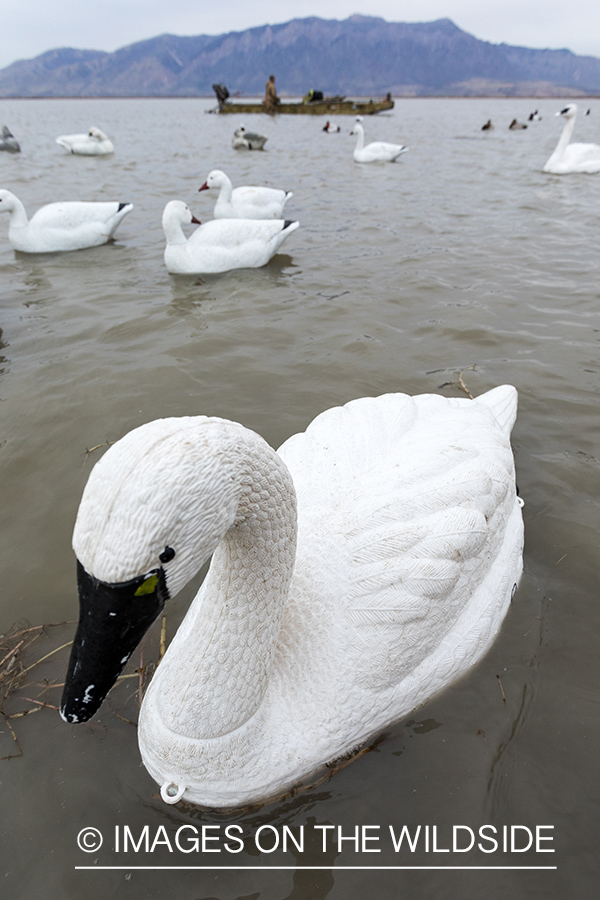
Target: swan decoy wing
x=416 y=510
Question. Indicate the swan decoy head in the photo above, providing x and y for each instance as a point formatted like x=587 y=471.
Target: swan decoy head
x=214 y=179
x=152 y=512
x=7 y=200
x=569 y=111
x=178 y=211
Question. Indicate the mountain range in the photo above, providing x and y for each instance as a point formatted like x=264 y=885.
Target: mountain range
x=359 y=56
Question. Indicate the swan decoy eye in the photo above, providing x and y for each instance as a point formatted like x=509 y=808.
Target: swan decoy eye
x=167 y=555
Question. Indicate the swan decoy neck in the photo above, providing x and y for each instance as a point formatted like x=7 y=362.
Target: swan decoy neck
x=113 y=618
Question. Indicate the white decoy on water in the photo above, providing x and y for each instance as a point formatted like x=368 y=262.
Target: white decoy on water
x=247 y=140
x=94 y=143
x=8 y=141
x=570 y=158
x=246 y=202
x=378 y=151
x=70 y=225
x=221 y=244
x=355 y=572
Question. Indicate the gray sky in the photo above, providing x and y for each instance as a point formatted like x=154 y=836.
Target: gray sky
x=29 y=27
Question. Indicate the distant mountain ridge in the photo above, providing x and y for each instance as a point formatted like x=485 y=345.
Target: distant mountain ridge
x=361 y=55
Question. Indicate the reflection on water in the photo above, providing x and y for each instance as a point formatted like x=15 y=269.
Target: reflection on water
x=462 y=261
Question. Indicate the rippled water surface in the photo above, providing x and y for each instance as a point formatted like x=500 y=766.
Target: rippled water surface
x=463 y=257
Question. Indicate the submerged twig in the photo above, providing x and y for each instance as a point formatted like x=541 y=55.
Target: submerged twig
x=461 y=382
x=88 y=451
x=501 y=690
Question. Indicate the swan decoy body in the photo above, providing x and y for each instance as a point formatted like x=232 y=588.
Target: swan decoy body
x=219 y=245
x=94 y=143
x=8 y=141
x=569 y=158
x=247 y=140
x=70 y=225
x=355 y=572
x=247 y=202
x=378 y=151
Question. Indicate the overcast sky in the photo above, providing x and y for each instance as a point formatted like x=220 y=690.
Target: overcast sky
x=29 y=27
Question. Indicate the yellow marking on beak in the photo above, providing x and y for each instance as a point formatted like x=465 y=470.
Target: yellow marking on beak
x=148 y=587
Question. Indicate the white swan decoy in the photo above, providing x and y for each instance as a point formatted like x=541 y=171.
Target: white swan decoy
x=247 y=140
x=94 y=143
x=246 y=202
x=70 y=225
x=219 y=245
x=568 y=158
x=355 y=572
x=8 y=141
x=378 y=151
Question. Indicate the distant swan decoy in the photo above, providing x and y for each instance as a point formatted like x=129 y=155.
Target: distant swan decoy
x=94 y=143
x=219 y=245
x=488 y=126
x=570 y=158
x=247 y=140
x=8 y=141
x=246 y=202
x=378 y=151
x=355 y=572
x=516 y=126
x=70 y=225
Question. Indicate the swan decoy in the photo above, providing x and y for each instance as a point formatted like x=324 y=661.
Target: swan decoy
x=247 y=202
x=94 y=143
x=355 y=572
x=247 y=140
x=568 y=158
x=378 y=151
x=70 y=225
x=219 y=245
x=516 y=126
x=8 y=141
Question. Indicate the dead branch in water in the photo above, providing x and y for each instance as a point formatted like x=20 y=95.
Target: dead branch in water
x=16 y=669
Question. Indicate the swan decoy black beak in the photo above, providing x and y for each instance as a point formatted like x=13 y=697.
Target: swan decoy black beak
x=113 y=618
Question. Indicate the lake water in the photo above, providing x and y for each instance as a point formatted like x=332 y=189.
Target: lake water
x=463 y=257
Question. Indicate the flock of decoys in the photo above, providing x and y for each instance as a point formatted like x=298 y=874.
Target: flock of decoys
x=355 y=572
x=248 y=226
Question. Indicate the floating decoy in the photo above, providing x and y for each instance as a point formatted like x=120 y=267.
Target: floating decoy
x=246 y=202
x=94 y=143
x=355 y=572
x=70 y=225
x=571 y=158
x=247 y=140
x=378 y=151
x=8 y=141
x=221 y=244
